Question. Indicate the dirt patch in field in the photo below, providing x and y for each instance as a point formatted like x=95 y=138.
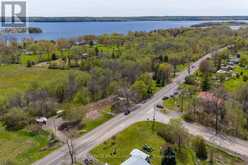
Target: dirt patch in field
x=94 y=109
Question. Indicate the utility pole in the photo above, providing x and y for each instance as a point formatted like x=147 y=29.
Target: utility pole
x=154 y=117
x=189 y=68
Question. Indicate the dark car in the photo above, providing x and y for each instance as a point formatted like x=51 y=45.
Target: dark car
x=127 y=112
x=165 y=97
x=160 y=106
x=176 y=93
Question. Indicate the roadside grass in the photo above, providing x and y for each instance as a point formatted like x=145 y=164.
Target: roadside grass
x=181 y=67
x=171 y=103
x=140 y=134
x=17 y=78
x=92 y=124
x=22 y=148
x=174 y=103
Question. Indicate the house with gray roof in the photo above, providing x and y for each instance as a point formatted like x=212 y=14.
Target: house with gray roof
x=137 y=157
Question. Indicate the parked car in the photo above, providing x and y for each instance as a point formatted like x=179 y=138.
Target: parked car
x=160 y=106
x=127 y=112
x=176 y=93
x=165 y=97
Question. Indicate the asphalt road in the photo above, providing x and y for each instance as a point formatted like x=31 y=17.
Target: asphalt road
x=146 y=111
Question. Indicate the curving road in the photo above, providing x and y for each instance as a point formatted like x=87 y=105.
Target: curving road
x=146 y=111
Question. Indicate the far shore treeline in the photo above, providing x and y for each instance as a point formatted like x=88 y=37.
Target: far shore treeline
x=141 y=18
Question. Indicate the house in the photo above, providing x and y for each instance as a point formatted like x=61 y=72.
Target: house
x=137 y=157
x=235 y=61
x=221 y=71
x=41 y=120
x=80 y=43
x=225 y=68
x=26 y=52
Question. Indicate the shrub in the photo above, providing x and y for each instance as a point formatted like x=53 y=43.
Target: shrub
x=188 y=117
x=54 y=57
x=245 y=78
x=29 y=64
x=34 y=129
x=167 y=134
x=82 y=97
x=200 y=148
x=15 y=119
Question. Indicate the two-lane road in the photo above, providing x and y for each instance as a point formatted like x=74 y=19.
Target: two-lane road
x=105 y=131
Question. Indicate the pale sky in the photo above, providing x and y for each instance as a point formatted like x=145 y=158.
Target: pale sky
x=137 y=7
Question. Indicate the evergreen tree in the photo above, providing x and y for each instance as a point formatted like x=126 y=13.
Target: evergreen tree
x=169 y=157
x=200 y=148
x=205 y=85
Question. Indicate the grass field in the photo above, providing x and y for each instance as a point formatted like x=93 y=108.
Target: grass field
x=141 y=133
x=22 y=148
x=17 y=78
x=234 y=84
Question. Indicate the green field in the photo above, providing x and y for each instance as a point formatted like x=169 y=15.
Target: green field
x=141 y=133
x=17 y=78
x=234 y=84
x=22 y=148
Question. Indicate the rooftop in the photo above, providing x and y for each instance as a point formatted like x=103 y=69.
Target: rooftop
x=137 y=157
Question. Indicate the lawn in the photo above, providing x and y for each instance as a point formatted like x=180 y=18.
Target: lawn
x=17 y=78
x=234 y=84
x=141 y=133
x=133 y=137
x=22 y=148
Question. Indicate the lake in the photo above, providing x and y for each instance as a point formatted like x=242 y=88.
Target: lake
x=57 y=30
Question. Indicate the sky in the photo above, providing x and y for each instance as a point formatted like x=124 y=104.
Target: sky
x=100 y=8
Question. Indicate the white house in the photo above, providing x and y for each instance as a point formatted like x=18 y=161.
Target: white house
x=137 y=157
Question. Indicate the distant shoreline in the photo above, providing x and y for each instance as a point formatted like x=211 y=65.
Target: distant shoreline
x=129 y=19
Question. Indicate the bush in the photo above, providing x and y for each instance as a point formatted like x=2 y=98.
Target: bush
x=54 y=57
x=188 y=117
x=29 y=64
x=34 y=129
x=82 y=97
x=200 y=148
x=245 y=78
x=73 y=115
x=15 y=119
x=167 y=134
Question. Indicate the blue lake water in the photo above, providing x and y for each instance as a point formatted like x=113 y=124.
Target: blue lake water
x=57 y=30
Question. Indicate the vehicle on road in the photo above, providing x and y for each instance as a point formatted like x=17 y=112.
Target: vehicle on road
x=127 y=112
x=176 y=93
x=160 y=106
x=165 y=98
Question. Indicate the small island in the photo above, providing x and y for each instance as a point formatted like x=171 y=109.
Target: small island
x=22 y=30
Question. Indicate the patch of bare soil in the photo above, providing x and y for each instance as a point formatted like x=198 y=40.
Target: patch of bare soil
x=94 y=109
